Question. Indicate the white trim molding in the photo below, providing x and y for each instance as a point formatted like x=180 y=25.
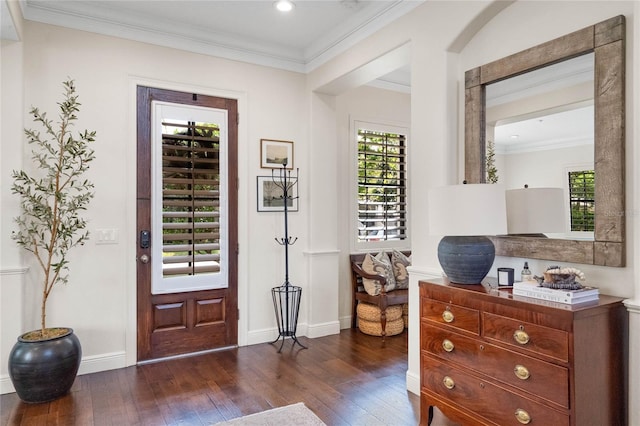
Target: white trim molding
x=324 y=329
x=320 y=252
x=416 y=273
x=18 y=270
x=633 y=305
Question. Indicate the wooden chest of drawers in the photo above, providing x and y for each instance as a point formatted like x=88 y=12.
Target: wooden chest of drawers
x=491 y=358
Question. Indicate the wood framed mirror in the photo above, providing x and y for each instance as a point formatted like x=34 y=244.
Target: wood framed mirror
x=606 y=40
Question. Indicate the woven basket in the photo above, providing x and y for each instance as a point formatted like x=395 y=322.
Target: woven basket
x=371 y=312
x=374 y=328
x=405 y=315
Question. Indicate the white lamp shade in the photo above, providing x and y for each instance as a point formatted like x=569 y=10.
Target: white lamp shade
x=536 y=210
x=467 y=210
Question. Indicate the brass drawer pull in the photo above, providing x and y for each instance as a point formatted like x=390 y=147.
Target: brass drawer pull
x=447 y=345
x=448 y=382
x=521 y=372
x=447 y=316
x=522 y=416
x=521 y=337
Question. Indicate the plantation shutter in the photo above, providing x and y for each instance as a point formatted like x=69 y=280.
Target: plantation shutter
x=382 y=197
x=190 y=199
x=582 y=200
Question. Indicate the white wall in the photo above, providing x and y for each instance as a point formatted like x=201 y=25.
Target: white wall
x=99 y=301
x=11 y=264
x=430 y=31
x=539 y=169
x=111 y=87
x=374 y=105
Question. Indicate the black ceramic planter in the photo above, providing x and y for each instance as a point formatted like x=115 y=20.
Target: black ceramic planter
x=44 y=370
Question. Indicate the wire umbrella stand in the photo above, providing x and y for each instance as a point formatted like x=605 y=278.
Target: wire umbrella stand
x=286 y=298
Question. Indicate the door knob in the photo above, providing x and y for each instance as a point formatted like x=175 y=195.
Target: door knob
x=144 y=258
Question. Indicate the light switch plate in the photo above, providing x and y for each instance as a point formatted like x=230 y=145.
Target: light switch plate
x=106 y=236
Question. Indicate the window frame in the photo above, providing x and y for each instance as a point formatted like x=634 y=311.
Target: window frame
x=161 y=284
x=385 y=127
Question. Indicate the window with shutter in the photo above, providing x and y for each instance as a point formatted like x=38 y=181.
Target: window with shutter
x=382 y=191
x=582 y=200
x=190 y=198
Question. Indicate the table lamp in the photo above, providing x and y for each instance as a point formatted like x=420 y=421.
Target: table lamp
x=465 y=215
x=535 y=210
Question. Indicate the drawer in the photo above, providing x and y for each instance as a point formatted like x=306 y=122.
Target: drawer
x=523 y=335
x=451 y=315
x=484 y=398
x=534 y=376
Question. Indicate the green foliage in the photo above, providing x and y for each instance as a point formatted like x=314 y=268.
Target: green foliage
x=492 y=171
x=582 y=202
x=381 y=185
x=195 y=152
x=54 y=196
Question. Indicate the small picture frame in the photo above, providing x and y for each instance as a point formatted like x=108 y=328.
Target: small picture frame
x=275 y=153
x=505 y=277
x=271 y=196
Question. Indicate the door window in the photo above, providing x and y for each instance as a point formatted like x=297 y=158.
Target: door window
x=189 y=196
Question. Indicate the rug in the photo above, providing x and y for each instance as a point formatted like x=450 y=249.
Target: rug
x=290 y=415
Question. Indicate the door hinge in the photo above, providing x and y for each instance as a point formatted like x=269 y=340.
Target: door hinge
x=238 y=317
x=238 y=119
x=237 y=248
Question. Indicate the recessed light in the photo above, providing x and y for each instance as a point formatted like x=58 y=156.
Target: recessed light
x=284 y=5
x=515 y=136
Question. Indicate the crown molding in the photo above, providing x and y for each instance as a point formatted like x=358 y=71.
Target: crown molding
x=108 y=21
x=325 y=49
x=136 y=28
x=545 y=145
x=8 y=30
x=380 y=83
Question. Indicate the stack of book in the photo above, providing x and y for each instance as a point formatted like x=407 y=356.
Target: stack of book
x=533 y=289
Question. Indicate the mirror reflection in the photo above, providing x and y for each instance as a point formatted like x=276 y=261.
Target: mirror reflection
x=606 y=40
x=540 y=133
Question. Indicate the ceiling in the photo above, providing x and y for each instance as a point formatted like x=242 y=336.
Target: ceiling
x=552 y=131
x=244 y=30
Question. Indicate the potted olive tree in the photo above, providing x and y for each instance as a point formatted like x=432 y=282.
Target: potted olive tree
x=43 y=363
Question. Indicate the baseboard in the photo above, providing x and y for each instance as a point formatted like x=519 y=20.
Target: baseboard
x=104 y=362
x=326 y=329
x=262 y=336
x=5 y=385
x=90 y=364
x=267 y=335
x=413 y=383
x=345 y=322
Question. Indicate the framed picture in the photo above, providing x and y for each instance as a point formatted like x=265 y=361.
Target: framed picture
x=271 y=196
x=273 y=154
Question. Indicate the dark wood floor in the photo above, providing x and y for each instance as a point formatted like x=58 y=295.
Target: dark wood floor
x=346 y=379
